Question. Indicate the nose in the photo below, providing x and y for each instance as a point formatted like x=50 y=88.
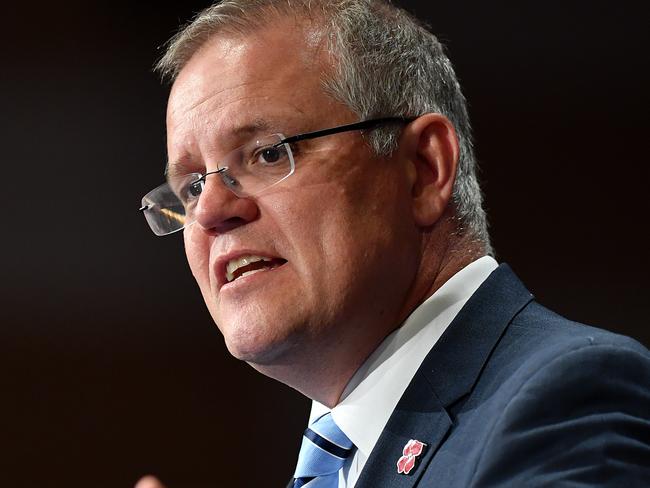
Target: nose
x=219 y=210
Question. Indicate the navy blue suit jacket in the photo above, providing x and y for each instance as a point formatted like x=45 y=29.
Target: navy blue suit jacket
x=515 y=395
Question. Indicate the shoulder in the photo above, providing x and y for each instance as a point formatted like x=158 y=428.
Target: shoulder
x=539 y=341
x=546 y=365
x=574 y=404
x=563 y=360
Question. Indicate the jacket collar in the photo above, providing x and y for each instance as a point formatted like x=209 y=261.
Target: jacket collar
x=448 y=372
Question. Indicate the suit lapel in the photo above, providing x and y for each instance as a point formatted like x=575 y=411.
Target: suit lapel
x=419 y=415
x=448 y=373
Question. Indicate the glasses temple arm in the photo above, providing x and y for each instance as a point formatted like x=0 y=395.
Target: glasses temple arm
x=366 y=124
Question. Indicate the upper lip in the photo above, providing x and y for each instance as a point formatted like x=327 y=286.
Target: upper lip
x=221 y=262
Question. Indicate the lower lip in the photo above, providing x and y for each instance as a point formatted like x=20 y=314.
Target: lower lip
x=249 y=279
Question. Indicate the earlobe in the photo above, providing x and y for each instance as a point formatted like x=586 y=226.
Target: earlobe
x=434 y=155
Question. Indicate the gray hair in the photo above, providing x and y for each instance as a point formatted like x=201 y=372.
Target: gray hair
x=387 y=63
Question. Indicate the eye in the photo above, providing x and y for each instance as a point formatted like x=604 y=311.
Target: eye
x=195 y=188
x=191 y=190
x=270 y=155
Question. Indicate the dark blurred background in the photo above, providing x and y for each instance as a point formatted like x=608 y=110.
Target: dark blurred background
x=112 y=367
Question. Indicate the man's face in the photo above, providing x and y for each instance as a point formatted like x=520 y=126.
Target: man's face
x=339 y=230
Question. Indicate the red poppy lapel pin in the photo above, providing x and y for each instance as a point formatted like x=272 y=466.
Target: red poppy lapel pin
x=411 y=451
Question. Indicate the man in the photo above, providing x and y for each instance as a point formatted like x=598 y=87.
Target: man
x=321 y=169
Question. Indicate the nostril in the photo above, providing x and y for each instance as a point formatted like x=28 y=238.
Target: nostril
x=227 y=225
x=235 y=221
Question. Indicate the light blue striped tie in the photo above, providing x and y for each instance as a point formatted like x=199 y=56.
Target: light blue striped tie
x=323 y=451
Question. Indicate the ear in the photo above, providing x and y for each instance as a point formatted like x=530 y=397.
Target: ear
x=432 y=149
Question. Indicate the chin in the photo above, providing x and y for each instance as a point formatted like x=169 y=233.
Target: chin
x=258 y=344
x=260 y=329
x=258 y=354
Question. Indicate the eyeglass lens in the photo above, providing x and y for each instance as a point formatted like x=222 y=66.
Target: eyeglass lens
x=245 y=171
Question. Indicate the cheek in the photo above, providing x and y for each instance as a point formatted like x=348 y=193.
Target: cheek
x=371 y=235
x=334 y=233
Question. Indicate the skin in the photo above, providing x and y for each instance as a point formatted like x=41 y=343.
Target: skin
x=366 y=239
x=149 y=482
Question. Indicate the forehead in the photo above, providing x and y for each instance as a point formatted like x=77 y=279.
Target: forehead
x=272 y=75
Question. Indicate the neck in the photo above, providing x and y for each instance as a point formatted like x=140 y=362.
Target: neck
x=444 y=253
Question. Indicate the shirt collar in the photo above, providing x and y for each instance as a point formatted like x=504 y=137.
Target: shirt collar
x=375 y=389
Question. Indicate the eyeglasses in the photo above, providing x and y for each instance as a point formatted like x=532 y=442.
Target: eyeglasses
x=246 y=171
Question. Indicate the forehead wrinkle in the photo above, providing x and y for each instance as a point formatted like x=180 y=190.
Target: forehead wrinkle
x=233 y=120
x=210 y=96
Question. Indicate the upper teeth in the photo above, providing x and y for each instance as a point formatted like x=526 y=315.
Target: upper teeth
x=234 y=264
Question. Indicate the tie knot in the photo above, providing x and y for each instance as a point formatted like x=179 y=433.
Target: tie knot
x=323 y=451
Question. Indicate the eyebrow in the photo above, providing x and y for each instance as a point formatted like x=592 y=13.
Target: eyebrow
x=259 y=125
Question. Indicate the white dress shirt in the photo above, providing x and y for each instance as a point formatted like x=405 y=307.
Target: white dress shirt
x=375 y=389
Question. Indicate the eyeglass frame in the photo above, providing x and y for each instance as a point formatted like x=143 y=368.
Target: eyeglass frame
x=364 y=124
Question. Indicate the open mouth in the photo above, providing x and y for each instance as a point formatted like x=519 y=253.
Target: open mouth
x=248 y=265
